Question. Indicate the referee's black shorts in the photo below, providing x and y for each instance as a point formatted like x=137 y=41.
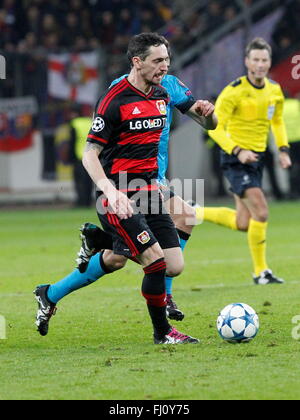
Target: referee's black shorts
x=149 y=224
x=242 y=176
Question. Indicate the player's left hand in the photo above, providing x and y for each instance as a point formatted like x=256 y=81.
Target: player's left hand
x=285 y=160
x=204 y=108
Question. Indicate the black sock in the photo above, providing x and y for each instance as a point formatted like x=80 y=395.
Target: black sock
x=102 y=264
x=183 y=235
x=154 y=291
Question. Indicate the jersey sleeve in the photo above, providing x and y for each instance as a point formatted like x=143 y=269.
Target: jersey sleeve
x=277 y=123
x=180 y=95
x=225 y=106
x=105 y=119
x=119 y=79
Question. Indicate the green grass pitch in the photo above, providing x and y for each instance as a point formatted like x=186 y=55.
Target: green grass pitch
x=100 y=342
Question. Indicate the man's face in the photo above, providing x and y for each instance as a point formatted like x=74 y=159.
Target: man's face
x=258 y=63
x=155 y=66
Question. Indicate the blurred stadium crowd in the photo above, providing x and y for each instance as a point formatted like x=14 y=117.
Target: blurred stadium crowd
x=38 y=34
x=77 y=25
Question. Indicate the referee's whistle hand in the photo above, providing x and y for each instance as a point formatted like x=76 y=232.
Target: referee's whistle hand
x=285 y=160
x=247 y=156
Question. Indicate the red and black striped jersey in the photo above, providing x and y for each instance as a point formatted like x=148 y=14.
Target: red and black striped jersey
x=128 y=124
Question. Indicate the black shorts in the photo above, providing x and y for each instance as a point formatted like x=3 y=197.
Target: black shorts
x=242 y=177
x=133 y=236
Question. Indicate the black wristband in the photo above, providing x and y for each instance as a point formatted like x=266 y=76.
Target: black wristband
x=237 y=155
x=284 y=149
x=238 y=151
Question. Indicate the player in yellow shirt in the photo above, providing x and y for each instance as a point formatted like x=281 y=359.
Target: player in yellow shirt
x=246 y=110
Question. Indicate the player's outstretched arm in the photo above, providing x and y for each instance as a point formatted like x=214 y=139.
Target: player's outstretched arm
x=203 y=113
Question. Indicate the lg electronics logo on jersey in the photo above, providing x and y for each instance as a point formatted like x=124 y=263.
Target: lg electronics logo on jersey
x=2 y=67
x=146 y=124
x=296 y=68
x=2 y=328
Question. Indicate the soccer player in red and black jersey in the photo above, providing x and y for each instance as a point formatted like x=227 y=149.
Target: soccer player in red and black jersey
x=121 y=158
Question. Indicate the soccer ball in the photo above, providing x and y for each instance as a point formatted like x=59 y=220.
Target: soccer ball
x=238 y=323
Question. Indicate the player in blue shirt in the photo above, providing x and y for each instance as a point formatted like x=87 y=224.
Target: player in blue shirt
x=91 y=265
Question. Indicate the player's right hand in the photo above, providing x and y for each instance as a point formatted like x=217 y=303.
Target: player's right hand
x=247 y=156
x=204 y=108
x=120 y=204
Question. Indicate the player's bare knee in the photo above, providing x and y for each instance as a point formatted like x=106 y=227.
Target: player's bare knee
x=243 y=220
x=118 y=264
x=156 y=254
x=150 y=255
x=174 y=261
x=114 y=262
x=174 y=269
x=243 y=225
x=262 y=215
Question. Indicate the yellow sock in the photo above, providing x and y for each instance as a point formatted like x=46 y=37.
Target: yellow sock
x=220 y=215
x=257 y=234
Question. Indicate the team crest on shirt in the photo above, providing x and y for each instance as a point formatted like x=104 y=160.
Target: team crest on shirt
x=98 y=124
x=143 y=237
x=161 y=106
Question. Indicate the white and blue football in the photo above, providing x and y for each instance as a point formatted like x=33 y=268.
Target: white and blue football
x=238 y=323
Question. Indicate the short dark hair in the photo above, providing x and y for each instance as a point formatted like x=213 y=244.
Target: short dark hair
x=258 y=44
x=139 y=45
